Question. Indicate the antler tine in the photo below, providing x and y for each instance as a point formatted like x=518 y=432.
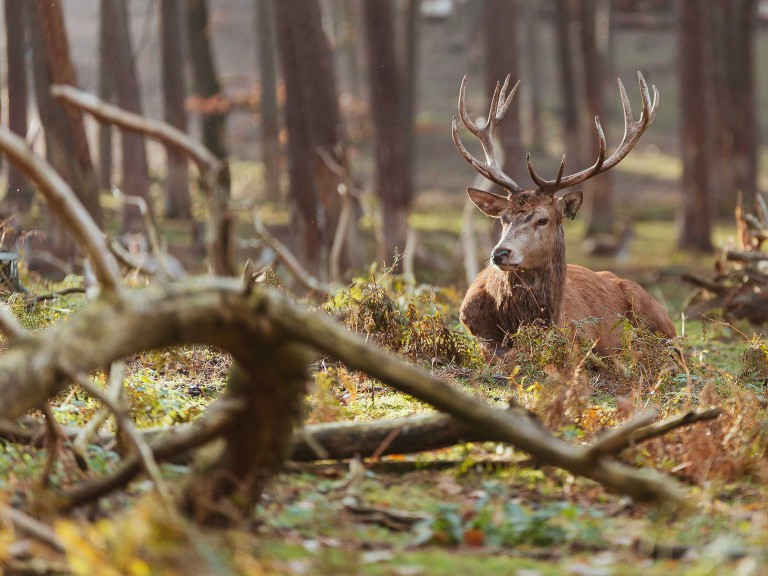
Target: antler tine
x=499 y=105
x=632 y=132
x=466 y=153
x=506 y=103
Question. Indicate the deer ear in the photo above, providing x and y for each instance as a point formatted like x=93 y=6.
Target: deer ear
x=570 y=203
x=491 y=204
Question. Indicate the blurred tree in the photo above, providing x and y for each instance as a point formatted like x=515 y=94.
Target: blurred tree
x=134 y=168
x=733 y=115
x=387 y=97
x=695 y=134
x=595 y=31
x=270 y=114
x=20 y=192
x=177 y=198
x=313 y=122
x=107 y=58
x=410 y=60
x=532 y=32
x=500 y=18
x=66 y=142
x=204 y=79
x=568 y=82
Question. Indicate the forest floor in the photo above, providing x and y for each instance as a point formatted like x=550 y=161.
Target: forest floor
x=481 y=508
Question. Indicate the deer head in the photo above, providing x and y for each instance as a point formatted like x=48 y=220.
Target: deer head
x=532 y=219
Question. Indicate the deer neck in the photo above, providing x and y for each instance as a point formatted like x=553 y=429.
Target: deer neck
x=529 y=296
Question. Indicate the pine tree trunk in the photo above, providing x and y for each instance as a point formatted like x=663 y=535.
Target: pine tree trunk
x=532 y=47
x=49 y=22
x=135 y=170
x=569 y=85
x=107 y=58
x=386 y=95
x=500 y=19
x=313 y=121
x=696 y=218
x=594 y=49
x=20 y=192
x=204 y=79
x=270 y=123
x=177 y=198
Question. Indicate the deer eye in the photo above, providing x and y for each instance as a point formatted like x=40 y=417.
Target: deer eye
x=542 y=221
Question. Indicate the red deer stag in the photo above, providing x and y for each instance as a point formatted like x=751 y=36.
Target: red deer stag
x=527 y=280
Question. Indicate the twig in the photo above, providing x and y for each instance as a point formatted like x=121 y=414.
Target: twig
x=218 y=417
x=115 y=392
x=704 y=283
x=745 y=256
x=33 y=527
x=125 y=258
x=143 y=450
x=613 y=440
x=32 y=299
x=63 y=202
x=10 y=326
x=151 y=227
x=664 y=426
x=53 y=434
x=309 y=282
x=346 y=189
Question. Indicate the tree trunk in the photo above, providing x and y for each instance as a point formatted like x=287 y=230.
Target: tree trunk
x=107 y=59
x=177 y=198
x=49 y=23
x=500 y=32
x=533 y=30
x=696 y=218
x=742 y=84
x=391 y=182
x=595 y=29
x=568 y=83
x=135 y=171
x=313 y=122
x=19 y=196
x=270 y=114
x=410 y=86
x=204 y=78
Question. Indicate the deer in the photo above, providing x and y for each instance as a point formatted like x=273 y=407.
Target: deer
x=527 y=280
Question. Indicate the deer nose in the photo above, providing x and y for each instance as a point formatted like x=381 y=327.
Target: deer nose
x=499 y=255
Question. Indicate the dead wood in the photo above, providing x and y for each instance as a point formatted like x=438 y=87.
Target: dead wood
x=214 y=172
x=63 y=201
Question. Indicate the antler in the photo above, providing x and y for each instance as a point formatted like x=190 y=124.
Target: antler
x=632 y=132
x=499 y=106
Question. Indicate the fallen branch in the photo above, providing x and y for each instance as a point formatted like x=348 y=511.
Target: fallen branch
x=214 y=172
x=64 y=203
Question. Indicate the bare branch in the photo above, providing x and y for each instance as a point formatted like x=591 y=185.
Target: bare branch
x=309 y=282
x=155 y=129
x=63 y=202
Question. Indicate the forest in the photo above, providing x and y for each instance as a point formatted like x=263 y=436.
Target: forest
x=383 y=287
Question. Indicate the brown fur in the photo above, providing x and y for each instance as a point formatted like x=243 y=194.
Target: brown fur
x=534 y=283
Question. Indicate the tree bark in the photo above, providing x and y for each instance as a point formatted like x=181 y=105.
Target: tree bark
x=742 y=84
x=595 y=29
x=20 y=193
x=270 y=114
x=696 y=224
x=410 y=86
x=568 y=83
x=532 y=33
x=204 y=78
x=313 y=122
x=107 y=59
x=48 y=25
x=135 y=170
x=177 y=198
x=387 y=99
x=500 y=19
